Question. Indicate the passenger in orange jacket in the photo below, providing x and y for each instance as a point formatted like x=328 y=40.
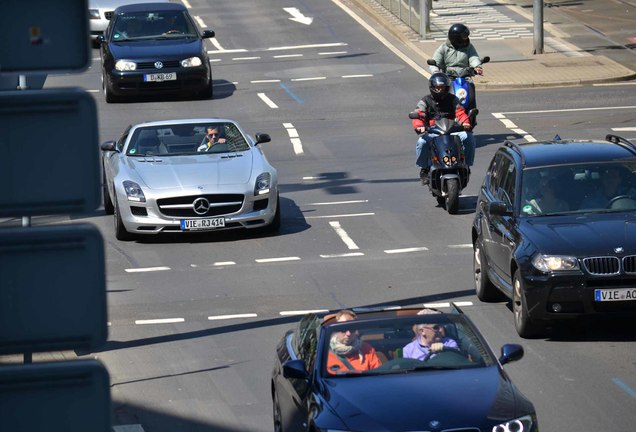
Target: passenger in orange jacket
x=347 y=353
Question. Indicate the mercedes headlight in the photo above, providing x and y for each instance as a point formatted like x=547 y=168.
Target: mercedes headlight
x=125 y=65
x=548 y=263
x=134 y=192
x=191 y=62
x=521 y=424
x=93 y=13
x=263 y=183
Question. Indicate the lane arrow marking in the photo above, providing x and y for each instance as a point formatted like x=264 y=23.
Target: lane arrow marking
x=298 y=16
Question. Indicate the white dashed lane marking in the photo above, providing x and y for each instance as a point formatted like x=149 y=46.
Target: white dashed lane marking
x=147 y=269
x=160 y=321
x=235 y=316
x=267 y=100
x=343 y=235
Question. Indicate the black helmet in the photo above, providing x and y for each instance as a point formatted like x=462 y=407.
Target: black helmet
x=458 y=35
x=439 y=79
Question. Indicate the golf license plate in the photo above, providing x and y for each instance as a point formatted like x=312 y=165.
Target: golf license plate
x=160 y=77
x=202 y=224
x=615 y=294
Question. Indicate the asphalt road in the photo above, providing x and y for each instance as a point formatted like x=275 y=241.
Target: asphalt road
x=226 y=298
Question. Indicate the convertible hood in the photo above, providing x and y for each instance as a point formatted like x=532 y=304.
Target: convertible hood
x=182 y=172
x=170 y=49
x=456 y=399
x=590 y=234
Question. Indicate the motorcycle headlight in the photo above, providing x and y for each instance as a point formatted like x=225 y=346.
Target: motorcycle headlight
x=522 y=424
x=191 y=62
x=125 y=65
x=93 y=14
x=548 y=263
x=134 y=192
x=263 y=183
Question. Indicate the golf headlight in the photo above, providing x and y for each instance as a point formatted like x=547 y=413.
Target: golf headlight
x=93 y=13
x=548 y=263
x=191 y=62
x=521 y=424
x=263 y=183
x=125 y=65
x=134 y=192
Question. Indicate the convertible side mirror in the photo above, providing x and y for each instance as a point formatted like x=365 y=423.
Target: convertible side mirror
x=510 y=353
x=295 y=369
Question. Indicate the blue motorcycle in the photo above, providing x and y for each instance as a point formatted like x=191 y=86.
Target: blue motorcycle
x=462 y=84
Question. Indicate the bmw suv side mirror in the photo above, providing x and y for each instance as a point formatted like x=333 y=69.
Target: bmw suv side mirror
x=499 y=208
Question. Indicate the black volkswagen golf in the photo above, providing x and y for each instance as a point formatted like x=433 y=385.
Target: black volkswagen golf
x=151 y=48
x=555 y=231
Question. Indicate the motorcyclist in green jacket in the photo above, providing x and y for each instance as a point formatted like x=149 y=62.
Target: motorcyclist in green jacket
x=456 y=54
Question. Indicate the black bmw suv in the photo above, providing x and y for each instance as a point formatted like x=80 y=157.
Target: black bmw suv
x=555 y=231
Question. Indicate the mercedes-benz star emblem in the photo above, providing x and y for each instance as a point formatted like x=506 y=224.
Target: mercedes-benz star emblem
x=158 y=65
x=201 y=206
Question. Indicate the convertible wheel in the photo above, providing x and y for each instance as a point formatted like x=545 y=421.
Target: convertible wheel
x=278 y=420
x=526 y=326
x=484 y=288
x=120 y=229
x=109 y=208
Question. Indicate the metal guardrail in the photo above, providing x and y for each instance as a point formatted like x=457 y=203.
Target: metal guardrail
x=413 y=13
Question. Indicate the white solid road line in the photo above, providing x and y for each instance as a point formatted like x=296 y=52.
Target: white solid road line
x=147 y=269
x=199 y=21
x=160 y=321
x=343 y=235
x=186 y=4
x=384 y=41
x=267 y=100
x=224 y=317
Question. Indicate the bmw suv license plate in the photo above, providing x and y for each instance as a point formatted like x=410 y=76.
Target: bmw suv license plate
x=618 y=294
x=202 y=224
x=160 y=77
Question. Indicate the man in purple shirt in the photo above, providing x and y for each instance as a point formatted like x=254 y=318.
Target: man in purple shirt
x=429 y=340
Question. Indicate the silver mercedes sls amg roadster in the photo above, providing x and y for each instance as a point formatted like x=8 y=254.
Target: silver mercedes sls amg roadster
x=188 y=175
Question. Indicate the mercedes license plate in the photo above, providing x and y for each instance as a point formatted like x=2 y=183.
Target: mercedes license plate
x=202 y=224
x=616 y=294
x=160 y=77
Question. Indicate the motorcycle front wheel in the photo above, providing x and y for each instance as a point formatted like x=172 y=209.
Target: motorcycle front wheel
x=452 y=197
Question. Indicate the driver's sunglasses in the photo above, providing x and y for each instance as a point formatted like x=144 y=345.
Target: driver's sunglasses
x=213 y=134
